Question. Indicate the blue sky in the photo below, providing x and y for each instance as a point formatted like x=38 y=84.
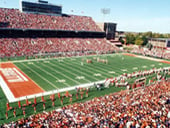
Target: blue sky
x=130 y=15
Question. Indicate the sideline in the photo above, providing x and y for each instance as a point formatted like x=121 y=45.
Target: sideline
x=9 y=95
x=56 y=91
x=16 y=61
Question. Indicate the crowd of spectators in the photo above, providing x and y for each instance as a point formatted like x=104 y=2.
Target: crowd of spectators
x=17 y=19
x=154 y=52
x=147 y=107
x=12 y=47
x=140 y=76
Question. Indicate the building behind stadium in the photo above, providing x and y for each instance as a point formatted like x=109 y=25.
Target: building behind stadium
x=160 y=42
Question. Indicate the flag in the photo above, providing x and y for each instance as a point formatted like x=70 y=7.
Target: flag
x=35 y=100
x=7 y=106
x=19 y=104
x=59 y=95
x=27 y=102
x=67 y=94
x=52 y=97
x=42 y=98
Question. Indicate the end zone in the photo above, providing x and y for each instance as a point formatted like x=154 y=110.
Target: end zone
x=15 y=83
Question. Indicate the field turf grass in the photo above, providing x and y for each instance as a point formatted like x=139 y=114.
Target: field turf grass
x=57 y=73
x=53 y=74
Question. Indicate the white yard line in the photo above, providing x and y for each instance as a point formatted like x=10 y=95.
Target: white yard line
x=64 y=74
x=40 y=76
x=111 y=69
x=135 y=68
x=112 y=72
x=95 y=70
x=61 y=73
x=80 y=72
x=55 y=76
x=124 y=70
x=49 y=73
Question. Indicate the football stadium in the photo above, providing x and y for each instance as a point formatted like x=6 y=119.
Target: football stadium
x=63 y=70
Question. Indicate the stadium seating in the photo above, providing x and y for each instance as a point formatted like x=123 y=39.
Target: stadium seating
x=141 y=108
x=11 y=47
x=17 y=19
x=167 y=55
x=154 y=52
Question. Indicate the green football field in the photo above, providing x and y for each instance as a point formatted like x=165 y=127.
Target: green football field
x=59 y=73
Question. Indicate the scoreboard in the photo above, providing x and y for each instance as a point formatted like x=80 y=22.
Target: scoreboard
x=110 y=29
x=40 y=7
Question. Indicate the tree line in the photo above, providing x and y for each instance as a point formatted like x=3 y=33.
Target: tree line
x=141 y=38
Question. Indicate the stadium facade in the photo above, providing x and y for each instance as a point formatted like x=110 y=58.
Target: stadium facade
x=160 y=42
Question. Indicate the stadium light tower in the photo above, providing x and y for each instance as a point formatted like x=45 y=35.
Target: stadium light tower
x=105 y=11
